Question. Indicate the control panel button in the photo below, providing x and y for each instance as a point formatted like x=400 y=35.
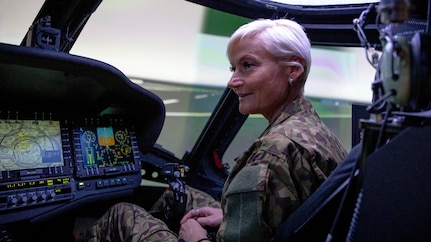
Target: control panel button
x=41 y=196
x=81 y=185
x=22 y=198
x=12 y=200
x=50 y=194
x=32 y=197
x=99 y=184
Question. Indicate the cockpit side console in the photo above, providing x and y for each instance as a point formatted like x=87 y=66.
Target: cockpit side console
x=72 y=130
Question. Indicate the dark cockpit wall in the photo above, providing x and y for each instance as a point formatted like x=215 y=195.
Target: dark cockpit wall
x=34 y=80
x=45 y=90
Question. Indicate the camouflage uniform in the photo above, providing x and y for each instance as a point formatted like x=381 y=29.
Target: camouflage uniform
x=278 y=172
x=130 y=222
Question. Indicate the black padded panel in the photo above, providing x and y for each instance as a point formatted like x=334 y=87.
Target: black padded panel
x=396 y=198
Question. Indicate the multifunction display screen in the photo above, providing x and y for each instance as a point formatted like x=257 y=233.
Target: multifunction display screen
x=105 y=146
x=26 y=144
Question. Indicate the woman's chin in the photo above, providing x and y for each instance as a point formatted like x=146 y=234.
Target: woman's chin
x=245 y=110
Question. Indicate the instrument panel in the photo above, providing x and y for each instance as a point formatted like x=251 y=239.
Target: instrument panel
x=45 y=163
x=72 y=132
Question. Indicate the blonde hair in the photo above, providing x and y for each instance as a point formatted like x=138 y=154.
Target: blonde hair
x=282 y=38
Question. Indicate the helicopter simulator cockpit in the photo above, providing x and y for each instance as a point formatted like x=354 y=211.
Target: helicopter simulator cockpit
x=80 y=132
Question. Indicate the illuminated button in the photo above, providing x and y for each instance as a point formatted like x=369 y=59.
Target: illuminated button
x=81 y=185
x=124 y=180
x=99 y=184
x=112 y=182
x=118 y=181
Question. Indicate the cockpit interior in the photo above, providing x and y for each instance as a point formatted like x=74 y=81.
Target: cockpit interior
x=77 y=135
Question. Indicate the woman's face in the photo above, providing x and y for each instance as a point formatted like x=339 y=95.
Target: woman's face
x=259 y=81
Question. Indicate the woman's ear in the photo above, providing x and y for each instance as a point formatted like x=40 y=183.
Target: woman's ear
x=295 y=71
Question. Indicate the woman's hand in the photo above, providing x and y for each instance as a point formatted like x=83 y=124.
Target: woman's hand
x=193 y=223
x=192 y=231
x=206 y=216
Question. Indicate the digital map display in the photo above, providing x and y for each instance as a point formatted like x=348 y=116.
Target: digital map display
x=26 y=144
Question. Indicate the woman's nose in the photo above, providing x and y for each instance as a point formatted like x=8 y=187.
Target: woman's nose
x=234 y=82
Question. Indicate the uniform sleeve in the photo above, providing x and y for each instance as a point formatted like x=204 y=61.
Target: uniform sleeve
x=257 y=200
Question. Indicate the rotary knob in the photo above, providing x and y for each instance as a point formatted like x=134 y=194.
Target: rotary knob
x=50 y=195
x=32 y=197
x=12 y=201
x=23 y=199
x=41 y=196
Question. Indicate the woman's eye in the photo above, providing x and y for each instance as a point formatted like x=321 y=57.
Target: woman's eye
x=247 y=65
